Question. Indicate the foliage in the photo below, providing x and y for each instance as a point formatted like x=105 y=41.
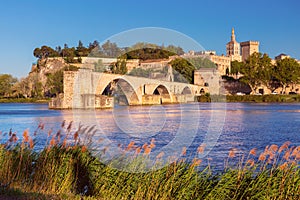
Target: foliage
x=81 y=51
x=199 y=62
x=147 y=54
x=176 y=50
x=264 y=98
x=108 y=49
x=287 y=71
x=183 y=70
x=99 y=67
x=236 y=67
x=45 y=52
x=140 y=72
x=171 y=49
x=55 y=82
x=70 y=68
x=66 y=167
x=21 y=88
x=6 y=83
x=256 y=70
x=119 y=67
x=24 y=100
x=37 y=89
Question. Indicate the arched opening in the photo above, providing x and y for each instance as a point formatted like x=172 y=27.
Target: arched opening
x=202 y=91
x=122 y=91
x=161 y=90
x=164 y=95
x=227 y=71
x=186 y=90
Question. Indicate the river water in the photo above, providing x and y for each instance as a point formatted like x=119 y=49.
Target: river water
x=221 y=126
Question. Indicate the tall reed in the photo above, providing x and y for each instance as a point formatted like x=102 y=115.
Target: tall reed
x=67 y=167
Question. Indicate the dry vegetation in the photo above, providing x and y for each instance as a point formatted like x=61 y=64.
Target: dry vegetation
x=66 y=169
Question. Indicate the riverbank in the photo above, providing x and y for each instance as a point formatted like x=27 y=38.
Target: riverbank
x=203 y=98
x=23 y=100
x=66 y=169
x=271 y=98
x=250 y=98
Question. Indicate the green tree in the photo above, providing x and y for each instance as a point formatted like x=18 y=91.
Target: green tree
x=110 y=49
x=256 y=70
x=147 y=54
x=81 y=51
x=140 y=72
x=37 y=90
x=6 y=83
x=142 y=45
x=45 y=52
x=21 y=88
x=177 y=50
x=287 y=72
x=268 y=72
x=120 y=67
x=236 y=67
x=199 y=62
x=55 y=82
x=99 y=67
x=183 y=70
x=69 y=54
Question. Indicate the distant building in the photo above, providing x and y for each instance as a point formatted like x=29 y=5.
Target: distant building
x=248 y=48
x=282 y=56
x=223 y=63
x=208 y=77
x=210 y=52
x=233 y=48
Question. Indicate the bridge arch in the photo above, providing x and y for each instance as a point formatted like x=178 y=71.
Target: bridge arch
x=121 y=89
x=186 y=90
x=163 y=92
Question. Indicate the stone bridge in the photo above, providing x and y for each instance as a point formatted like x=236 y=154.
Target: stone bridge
x=88 y=89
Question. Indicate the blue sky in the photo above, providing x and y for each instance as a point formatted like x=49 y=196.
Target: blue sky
x=33 y=23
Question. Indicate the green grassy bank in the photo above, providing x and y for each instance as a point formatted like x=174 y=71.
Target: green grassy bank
x=250 y=98
x=264 y=98
x=67 y=170
x=23 y=100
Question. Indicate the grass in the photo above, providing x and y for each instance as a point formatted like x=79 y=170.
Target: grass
x=264 y=98
x=249 y=98
x=24 y=100
x=66 y=169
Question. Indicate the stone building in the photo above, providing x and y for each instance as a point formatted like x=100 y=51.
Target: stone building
x=223 y=63
x=209 y=77
x=233 y=48
x=240 y=51
x=248 y=48
x=282 y=56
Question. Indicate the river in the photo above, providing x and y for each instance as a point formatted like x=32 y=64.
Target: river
x=221 y=126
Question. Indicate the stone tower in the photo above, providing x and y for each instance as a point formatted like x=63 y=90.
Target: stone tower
x=233 y=48
x=248 y=48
